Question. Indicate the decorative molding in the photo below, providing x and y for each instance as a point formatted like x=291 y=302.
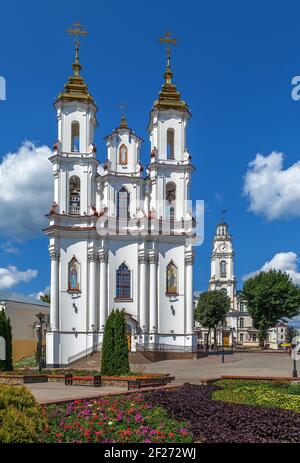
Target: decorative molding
x=189 y=260
x=153 y=258
x=54 y=254
x=92 y=256
x=143 y=259
x=103 y=256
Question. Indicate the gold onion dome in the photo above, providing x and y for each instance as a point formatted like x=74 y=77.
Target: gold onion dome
x=169 y=97
x=76 y=88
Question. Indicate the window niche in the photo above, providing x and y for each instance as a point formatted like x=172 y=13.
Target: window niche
x=172 y=280
x=170 y=144
x=75 y=141
x=223 y=268
x=74 y=195
x=123 y=155
x=74 y=275
x=123 y=286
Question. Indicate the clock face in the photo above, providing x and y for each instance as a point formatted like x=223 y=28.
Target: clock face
x=223 y=247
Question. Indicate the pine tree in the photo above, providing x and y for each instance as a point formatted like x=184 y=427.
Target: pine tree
x=120 y=344
x=108 y=359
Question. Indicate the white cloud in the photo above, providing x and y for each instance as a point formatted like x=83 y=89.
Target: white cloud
x=38 y=295
x=9 y=248
x=11 y=276
x=26 y=191
x=284 y=261
x=273 y=192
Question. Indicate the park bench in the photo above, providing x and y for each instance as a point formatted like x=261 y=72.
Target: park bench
x=70 y=378
x=147 y=382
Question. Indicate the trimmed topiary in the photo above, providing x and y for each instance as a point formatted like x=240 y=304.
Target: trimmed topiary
x=107 y=362
x=120 y=344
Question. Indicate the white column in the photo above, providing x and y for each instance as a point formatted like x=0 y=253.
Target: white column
x=189 y=315
x=54 y=255
x=143 y=293
x=153 y=328
x=103 y=290
x=92 y=290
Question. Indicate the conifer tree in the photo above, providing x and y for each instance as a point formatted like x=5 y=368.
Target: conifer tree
x=120 y=344
x=3 y=335
x=9 y=360
x=108 y=359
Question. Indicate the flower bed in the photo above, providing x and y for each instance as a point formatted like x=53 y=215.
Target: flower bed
x=112 y=419
x=279 y=394
x=217 y=421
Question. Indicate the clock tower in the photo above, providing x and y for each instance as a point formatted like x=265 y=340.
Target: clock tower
x=222 y=263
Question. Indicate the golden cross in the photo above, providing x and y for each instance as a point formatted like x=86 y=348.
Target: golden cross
x=123 y=107
x=76 y=29
x=167 y=40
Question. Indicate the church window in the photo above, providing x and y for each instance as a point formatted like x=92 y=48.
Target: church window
x=75 y=137
x=74 y=195
x=241 y=337
x=123 y=290
x=74 y=275
x=171 y=278
x=123 y=155
x=123 y=204
x=170 y=144
x=223 y=270
x=170 y=192
x=241 y=323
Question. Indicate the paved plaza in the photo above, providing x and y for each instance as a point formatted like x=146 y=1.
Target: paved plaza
x=193 y=371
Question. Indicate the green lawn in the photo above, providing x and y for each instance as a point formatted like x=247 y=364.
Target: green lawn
x=278 y=394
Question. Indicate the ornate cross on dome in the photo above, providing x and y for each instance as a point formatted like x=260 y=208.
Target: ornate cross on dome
x=167 y=40
x=77 y=30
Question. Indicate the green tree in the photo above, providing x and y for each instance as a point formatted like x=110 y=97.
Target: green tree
x=211 y=310
x=45 y=298
x=270 y=296
x=5 y=332
x=120 y=344
x=108 y=357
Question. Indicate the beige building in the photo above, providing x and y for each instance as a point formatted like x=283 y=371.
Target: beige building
x=22 y=311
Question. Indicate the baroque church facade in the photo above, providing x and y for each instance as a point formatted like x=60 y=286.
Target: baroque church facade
x=118 y=232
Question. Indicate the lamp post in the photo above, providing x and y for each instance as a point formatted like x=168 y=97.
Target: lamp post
x=39 y=327
x=223 y=353
x=294 y=357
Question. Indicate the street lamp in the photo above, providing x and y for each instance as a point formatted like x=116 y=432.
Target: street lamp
x=294 y=357
x=223 y=353
x=39 y=327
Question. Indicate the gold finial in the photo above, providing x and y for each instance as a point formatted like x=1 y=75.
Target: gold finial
x=123 y=123
x=167 y=40
x=77 y=30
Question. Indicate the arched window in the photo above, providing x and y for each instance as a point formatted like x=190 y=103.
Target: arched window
x=123 y=155
x=123 y=204
x=223 y=270
x=74 y=275
x=123 y=289
x=171 y=278
x=75 y=137
x=170 y=192
x=170 y=144
x=74 y=195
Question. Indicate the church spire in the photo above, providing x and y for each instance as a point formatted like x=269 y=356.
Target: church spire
x=169 y=97
x=76 y=88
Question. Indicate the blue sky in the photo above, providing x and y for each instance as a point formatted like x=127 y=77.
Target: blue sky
x=233 y=65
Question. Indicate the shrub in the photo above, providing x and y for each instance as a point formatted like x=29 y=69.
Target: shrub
x=5 y=332
x=115 y=348
x=21 y=418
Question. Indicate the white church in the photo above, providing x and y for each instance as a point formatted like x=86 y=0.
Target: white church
x=119 y=233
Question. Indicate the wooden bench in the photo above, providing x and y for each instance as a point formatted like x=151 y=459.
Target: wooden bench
x=147 y=382
x=70 y=378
